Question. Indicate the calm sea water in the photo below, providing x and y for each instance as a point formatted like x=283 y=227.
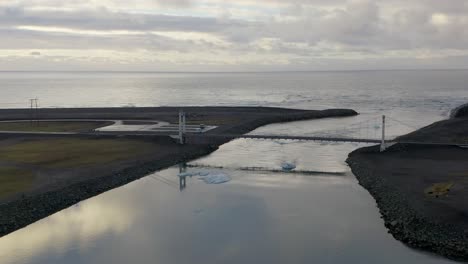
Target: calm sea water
x=257 y=217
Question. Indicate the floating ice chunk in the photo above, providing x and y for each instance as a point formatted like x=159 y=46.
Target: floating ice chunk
x=208 y=177
x=203 y=173
x=193 y=173
x=287 y=166
x=214 y=177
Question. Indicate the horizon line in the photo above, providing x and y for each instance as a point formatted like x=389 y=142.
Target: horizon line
x=195 y=72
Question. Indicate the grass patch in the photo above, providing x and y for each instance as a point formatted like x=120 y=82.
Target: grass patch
x=438 y=189
x=73 y=152
x=51 y=126
x=14 y=180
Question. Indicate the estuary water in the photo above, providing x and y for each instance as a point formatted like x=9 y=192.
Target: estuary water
x=258 y=216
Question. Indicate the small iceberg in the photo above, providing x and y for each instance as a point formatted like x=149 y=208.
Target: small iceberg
x=215 y=178
x=203 y=173
x=287 y=166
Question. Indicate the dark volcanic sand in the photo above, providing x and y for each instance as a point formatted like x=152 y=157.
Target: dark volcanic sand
x=398 y=178
x=45 y=199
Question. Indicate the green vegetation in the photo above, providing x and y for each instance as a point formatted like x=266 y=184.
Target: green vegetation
x=73 y=152
x=13 y=180
x=439 y=189
x=51 y=126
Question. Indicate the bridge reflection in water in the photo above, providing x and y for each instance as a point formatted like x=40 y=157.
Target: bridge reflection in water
x=182 y=176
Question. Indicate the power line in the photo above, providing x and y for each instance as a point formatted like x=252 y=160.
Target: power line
x=403 y=123
x=163 y=180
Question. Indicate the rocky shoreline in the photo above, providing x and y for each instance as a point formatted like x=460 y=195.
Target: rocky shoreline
x=404 y=222
x=461 y=111
x=437 y=225
x=21 y=212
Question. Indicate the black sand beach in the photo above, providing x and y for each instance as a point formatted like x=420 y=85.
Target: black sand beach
x=422 y=191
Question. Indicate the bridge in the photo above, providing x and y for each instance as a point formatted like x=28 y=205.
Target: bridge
x=325 y=135
x=360 y=132
x=332 y=139
x=371 y=131
x=301 y=138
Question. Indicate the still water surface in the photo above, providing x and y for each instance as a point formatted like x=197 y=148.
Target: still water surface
x=257 y=217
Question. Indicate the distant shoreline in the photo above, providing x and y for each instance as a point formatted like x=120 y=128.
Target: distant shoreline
x=231 y=72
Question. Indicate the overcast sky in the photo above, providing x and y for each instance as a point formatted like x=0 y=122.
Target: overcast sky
x=240 y=35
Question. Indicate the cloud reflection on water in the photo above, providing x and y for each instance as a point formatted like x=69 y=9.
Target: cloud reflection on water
x=74 y=227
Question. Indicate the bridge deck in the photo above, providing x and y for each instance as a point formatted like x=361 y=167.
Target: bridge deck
x=330 y=139
x=233 y=136
x=308 y=138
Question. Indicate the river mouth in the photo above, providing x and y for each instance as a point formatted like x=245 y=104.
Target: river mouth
x=255 y=217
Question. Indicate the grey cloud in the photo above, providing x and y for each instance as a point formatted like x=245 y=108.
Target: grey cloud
x=176 y=3
x=103 y=19
x=24 y=39
x=361 y=23
x=354 y=26
x=355 y=23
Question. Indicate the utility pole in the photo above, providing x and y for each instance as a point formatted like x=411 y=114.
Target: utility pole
x=382 y=144
x=182 y=128
x=36 y=110
x=33 y=104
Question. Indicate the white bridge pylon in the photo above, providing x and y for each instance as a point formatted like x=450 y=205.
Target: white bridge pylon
x=372 y=131
x=382 y=144
x=366 y=131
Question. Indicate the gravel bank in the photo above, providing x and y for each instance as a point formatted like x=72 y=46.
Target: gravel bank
x=406 y=223
x=398 y=177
